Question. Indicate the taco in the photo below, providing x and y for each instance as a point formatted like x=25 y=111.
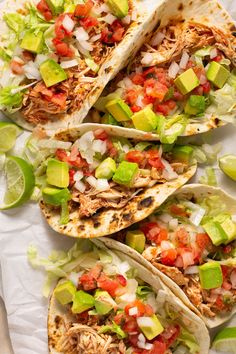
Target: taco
x=98 y=184
x=57 y=56
x=111 y=304
x=183 y=79
x=190 y=242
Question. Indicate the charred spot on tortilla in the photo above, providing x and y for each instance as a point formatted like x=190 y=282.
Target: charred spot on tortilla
x=181 y=7
x=127 y=217
x=145 y=203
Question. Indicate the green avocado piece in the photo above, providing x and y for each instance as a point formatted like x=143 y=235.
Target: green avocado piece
x=145 y=119
x=187 y=81
x=33 y=42
x=82 y=301
x=56 y=6
x=195 y=105
x=103 y=302
x=57 y=173
x=215 y=232
x=119 y=110
x=227 y=225
x=119 y=8
x=52 y=72
x=65 y=292
x=210 y=275
x=153 y=329
x=182 y=153
x=106 y=169
x=126 y=173
x=136 y=240
x=109 y=119
x=217 y=74
x=55 y=196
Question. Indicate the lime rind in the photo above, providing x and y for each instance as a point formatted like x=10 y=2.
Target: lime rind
x=225 y=340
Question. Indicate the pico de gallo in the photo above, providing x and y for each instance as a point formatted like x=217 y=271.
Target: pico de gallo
x=111 y=307
x=194 y=243
x=52 y=51
x=182 y=74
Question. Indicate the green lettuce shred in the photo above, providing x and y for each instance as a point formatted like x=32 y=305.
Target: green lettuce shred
x=15 y=22
x=209 y=178
x=114 y=328
x=189 y=340
x=9 y=100
x=170 y=129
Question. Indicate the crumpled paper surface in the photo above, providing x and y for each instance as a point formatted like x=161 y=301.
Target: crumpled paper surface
x=20 y=285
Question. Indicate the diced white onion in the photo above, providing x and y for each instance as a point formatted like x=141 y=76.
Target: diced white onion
x=133 y=311
x=191 y=270
x=84 y=144
x=166 y=245
x=68 y=23
x=181 y=350
x=80 y=186
x=213 y=53
x=109 y=18
x=78 y=175
x=99 y=146
x=233 y=279
x=74 y=277
x=126 y=20
x=69 y=63
x=31 y=71
x=128 y=83
x=147 y=58
x=145 y=322
x=134 y=15
x=53 y=144
x=92 y=181
x=157 y=39
x=168 y=173
x=173 y=224
x=102 y=184
x=5 y=78
x=85 y=45
x=141 y=338
x=18 y=60
x=95 y=37
x=125 y=148
x=152 y=301
x=139 y=70
x=173 y=70
x=184 y=60
x=103 y=8
x=81 y=34
x=233 y=218
x=40 y=58
x=144 y=345
x=165 y=218
x=196 y=216
x=202 y=79
x=123 y=267
x=139 y=101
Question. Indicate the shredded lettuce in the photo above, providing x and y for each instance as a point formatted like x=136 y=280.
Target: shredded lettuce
x=189 y=340
x=170 y=129
x=9 y=100
x=213 y=206
x=65 y=216
x=4 y=55
x=115 y=328
x=92 y=65
x=209 y=178
x=206 y=153
x=15 y=22
x=143 y=291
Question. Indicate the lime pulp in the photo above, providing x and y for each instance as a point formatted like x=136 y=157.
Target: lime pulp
x=227 y=164
x=225 y=340
x=8 y=134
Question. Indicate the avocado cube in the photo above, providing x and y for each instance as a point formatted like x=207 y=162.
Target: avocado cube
x=126 y=173
x=33 y=42
x=187 y=81
x=145 y=120
x=56 y=6
x=210 y=275
x=119 y=8
x=182 y=153
x=217 y=74
x=109 y=119
x=55 y=196
x=136 y=240
x=119 y=110
x=215 y=232
x=65 y=292
x=227 y=225
x=52 y=72
x=150 y=326
x=195 y=105
x=106 y=169
x=82 y=301
x=57 y=173
x=103 y=302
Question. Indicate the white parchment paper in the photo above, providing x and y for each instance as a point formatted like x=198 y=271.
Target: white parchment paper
x=20 y=285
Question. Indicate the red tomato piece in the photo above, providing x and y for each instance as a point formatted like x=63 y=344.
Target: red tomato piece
x=171 y=104
x=131 y=96
x=88 y=22
x=177 y=210
x=147 y=99
x=119 y=318
x=44 y=9
x=168 y=257
x=83 y=10
x=162 y=108
x=135 y=108
x=61 y=155
x=158 y=91
x=158 y=348
x=71 y=176
x=118 y=35
x=107 y=284
x=130 y=325
x=227 y=249
x=88 y=282
x=203 y=241
x=121 y=279
x=182 y=236
x=100 y=134
x=170 y=334
x=134 y=156
x=140 y=307
x=206 y=87
x=59 y=99
x=138 y=79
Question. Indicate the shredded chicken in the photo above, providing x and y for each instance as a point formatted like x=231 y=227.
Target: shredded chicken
x=172 y=272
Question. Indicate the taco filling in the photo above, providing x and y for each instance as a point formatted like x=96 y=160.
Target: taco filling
x=193 y=242
x=185 y=74
x=111 y=310
x=51 y=54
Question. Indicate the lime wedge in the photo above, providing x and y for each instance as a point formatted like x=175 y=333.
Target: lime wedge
x=8 y=134
x=225 y=340
x=20 y=182
x=227 y=164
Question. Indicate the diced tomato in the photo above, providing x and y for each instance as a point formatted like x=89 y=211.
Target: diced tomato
x=178 y=96
x=100 y=134
x=149 y=83
x=135 y=108
x=198 y=90
x=109 y=285
x=206 y=87
x=119 y=318
x=44 y=9
x=71 y=176
x=88 y=282
x=219 y=302
x=190 y=64
x=218 y=58
x=16 y=67
x=106 y=36
x=154 y=159
x=138 y=79
x=59 y=99
x=147 y=99
x=134 y=156
x=150 y=73
x=168 y=257
x=179 y=262
x=88 y=22
x=131 y=96
x=61 y=155
x=158 y=91
x=151 y=230
x=158 y=348
x=203 y=241
x=121 y=279
x=225 y=270
x=133 y=340
x=140 y=307
x=187 y=256
x=118 y=34
x=170 y=334
x=227 y=249
x=113 y=152
x=162 y=108
x=226 y=285
x=178 y=210
x=182 y=236
x=171 y=104
x=130 y=325
x=83 y=10
x=63 y=48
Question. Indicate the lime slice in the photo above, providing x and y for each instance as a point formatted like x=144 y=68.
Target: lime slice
x=8 y=134
x=225 y=340
x=227 y=164
x=20 y=182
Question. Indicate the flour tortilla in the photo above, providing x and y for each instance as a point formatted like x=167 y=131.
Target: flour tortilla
x=56 y=313
x=147 y=17
x=197 y=191
x=110 y=220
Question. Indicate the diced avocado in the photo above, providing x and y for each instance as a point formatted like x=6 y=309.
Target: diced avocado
x=145 y=119
x=151 y=328
x=126 y=173
x=109 y=119
x=55 y=196
x=217 y=74
x=215 y=232
x=119 y=8
x=57 y=173
x=227 y=225
x=182 y=153
x=33 y=42
x=103 y=302
x=102 y=101
x=136 y=240
x=65 y=292
x=52 y=72
x=195 y=105
x=119 y=110
x=210 y=275
x=187 y=81
x=82 y=302
x=56 y=6
x=106 y=169
x=69 y=6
